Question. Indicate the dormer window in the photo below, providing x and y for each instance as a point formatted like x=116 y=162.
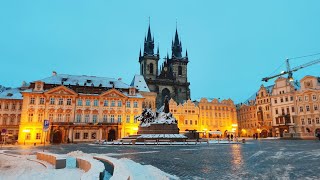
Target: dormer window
x=38 y=86
x=89 y=81
x=132 y=91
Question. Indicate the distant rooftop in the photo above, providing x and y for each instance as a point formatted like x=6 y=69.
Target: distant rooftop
x=10 y=93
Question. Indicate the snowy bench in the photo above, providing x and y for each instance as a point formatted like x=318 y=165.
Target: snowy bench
x=146 y=141
x=191 y=140
x=55 y=160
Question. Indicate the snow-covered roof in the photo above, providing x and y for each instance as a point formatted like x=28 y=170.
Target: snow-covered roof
x=10 y=93
x=139 y=83
x=84 y=80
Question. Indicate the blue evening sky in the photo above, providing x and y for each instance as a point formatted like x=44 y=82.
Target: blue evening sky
x=231 y=44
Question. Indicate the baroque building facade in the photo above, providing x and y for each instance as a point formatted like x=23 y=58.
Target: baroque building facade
x=207 y=116
x=171 y=77
x=10 y=111
x=79 y=108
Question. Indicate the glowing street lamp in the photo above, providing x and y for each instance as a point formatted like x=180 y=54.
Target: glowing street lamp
x=25 y=131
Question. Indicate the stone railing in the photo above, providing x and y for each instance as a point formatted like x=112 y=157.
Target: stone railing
x=93 y=168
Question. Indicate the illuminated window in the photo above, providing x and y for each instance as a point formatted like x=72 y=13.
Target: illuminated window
x=38 y=136
x=41 y=101
x=32 y=100
x=50 y=117
x=60 y=102
x=59 y=118
x=40 y=117
x=52 y=101
x=30 y=117
x=69 y=102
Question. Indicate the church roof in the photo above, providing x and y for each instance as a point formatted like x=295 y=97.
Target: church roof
x=139 y=83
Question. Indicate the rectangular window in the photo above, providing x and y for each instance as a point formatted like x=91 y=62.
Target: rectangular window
x=88 y=102
x=275 y=101
x=119 y=118
x=6 y=106
x=32 y=100
x=128 y=119
x=77 y=136
x=287 y=99
x=105 y=103
x=190 y=122
x=30 y=117
x=281 y=100
x=135 y=120
x=301 y=109
x=135 y=104
x=105 y=118
x=85 y=135
x=78 y=118
x=95 y=102
x=307 y=108
x=195 y=122
x=69 y=102
x=128 y=104
x=315 y=107
x=41 y=101
x=28 y=136
x=317 y=121
x=113 y=104
x=13 y=106
x=86 y=118
x=292 y=109
x=79 y=102
x=93 y=135
x=185 y=121
x=112 y=118
x=119 y=103
x=309 y=120
x=40 y=117
x=59 y=118
x=38 y=136
x=52 y=101
x=68 y=117
x=291 y=98
x=94 y=118
x=306 y=98
x=50 y=117
x=60 y=102
x=314 y=97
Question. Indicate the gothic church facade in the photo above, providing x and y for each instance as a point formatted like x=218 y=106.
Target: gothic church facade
x=171 y=77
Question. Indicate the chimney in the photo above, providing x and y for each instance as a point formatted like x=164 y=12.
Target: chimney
x=54 y=73
x=119 y=79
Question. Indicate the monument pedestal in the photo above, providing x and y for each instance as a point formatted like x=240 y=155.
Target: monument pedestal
x=159 y=129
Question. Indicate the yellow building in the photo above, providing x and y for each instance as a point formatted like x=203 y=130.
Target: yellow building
x=79 y=108
x=207 y=116
x=10 y=111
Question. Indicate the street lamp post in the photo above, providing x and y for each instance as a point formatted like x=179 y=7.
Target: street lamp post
x=25 y=131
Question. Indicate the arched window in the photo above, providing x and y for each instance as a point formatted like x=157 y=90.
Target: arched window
x=151 y=68
x=179 y=70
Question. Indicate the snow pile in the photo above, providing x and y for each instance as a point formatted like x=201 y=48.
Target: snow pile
x=148 y=117
x=159 y=136
x=127 y=169
x=96 y=166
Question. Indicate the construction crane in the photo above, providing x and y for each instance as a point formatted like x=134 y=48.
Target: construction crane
x=290 y=71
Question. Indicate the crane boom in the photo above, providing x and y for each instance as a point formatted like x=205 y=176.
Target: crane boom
x=290 y=71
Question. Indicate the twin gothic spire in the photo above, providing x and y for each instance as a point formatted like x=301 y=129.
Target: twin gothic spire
x=176 y=46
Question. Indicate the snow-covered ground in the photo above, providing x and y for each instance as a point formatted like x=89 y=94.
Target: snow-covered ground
x=26 y=167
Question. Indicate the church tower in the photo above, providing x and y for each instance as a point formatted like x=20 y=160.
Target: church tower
x=148 y=60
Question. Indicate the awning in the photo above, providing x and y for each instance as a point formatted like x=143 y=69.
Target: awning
x=215 y=132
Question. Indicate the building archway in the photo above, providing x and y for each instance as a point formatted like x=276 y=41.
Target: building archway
x=317 y=131
x=264 y=133
x=57 y=137
x=111 y=135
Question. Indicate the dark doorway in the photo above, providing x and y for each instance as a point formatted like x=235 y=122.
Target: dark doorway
x=57 y=137
x=165 y=92
x=264 y=133
x=111 y=135
x=317 y=131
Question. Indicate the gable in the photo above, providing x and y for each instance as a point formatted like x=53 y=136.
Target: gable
x=113 y=93
x=61 y=91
